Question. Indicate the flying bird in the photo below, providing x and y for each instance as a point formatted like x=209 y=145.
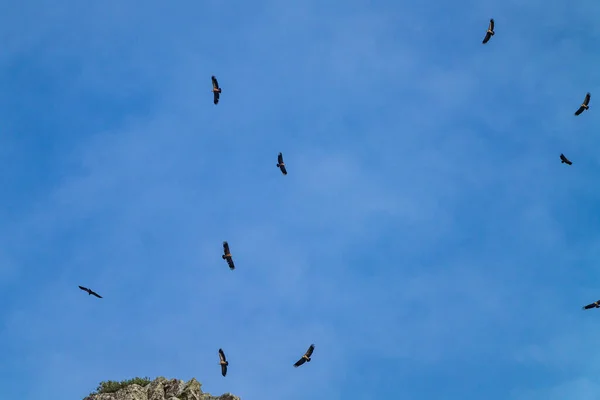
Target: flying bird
x=564 y=159
x=306 y=356
x=490 y=32
x=223 y=362
x=90 y=291
x=216 y=89
x=584 y=106
x=227 y=256
x=593 y=305
x=281 y=164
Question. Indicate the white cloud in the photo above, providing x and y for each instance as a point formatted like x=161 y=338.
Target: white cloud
x=425 y=218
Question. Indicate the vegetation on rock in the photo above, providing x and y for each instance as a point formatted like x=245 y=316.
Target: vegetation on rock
x=115 y=386
x=160 y=388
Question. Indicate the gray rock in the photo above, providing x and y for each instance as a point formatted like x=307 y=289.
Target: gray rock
x=156 y=390
x=163 y=389
x=132 y=392
x=173 y=388
x=226 y=396
x=192 y=390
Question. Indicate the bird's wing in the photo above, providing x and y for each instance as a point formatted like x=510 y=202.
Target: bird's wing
x=230 y=263
x=222 y=355
x=83 y=288
x=280 y=158
x=96 y=294
x=579 y=110
x=589 y=306
x=215 y=82
x=225 y=248
x=586 y=101
x=223 y=369
x=562 y=157
x=491 y=27
x=300 y=362
x=310 y=350
x=216 y=96
x=486 y=38
x=283 y=170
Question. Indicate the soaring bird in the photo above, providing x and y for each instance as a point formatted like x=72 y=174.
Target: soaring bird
x=584 y=105
x=281 y=164
x=490 y=32
x=564 y=159
x=216 y=89
x=227 y=256
x=306 y=356
x=223 y=362
x=593 y=305
x=90 y=291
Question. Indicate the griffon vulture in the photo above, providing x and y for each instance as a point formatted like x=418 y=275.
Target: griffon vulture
x=227 y=256
x=281 y=164
x=593 y=305
x=216 y=89
x=490 y=32
x=223 y=362
x=584 y=106
x=90 y=291
x=564 y=159
x=306 y=356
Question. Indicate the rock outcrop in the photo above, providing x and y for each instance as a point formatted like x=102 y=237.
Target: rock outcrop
x=162 y=389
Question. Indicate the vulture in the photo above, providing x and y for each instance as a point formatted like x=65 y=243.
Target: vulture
x=584 y=106
x=564 y=159
x=593 y=305
x=227 y=256
x=90 y=291
x=216 y=89
x=223 y=362
x=490 y=32
x=281 y=164
x=306 y=356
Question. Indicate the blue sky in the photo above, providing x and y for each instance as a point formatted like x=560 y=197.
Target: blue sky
x=427 y=238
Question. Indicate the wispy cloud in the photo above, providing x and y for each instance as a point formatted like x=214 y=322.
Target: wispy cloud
x=427 y=238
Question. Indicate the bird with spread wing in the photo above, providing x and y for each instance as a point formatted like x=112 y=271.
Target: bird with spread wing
x=305 y=357
x=223 y=362
x=593 y=305
x=90 y=292
x=281 y=164
x=584 y=106
x=216 y=90
x=227 y=256
x=490 y=32
x=565 y=160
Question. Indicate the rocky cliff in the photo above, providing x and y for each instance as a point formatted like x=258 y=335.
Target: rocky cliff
x=162 y=389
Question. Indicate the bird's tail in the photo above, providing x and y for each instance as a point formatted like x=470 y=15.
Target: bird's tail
x=308 y=359
x=223 y=257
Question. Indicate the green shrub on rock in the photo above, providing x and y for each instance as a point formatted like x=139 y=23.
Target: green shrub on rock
x=115 y=386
